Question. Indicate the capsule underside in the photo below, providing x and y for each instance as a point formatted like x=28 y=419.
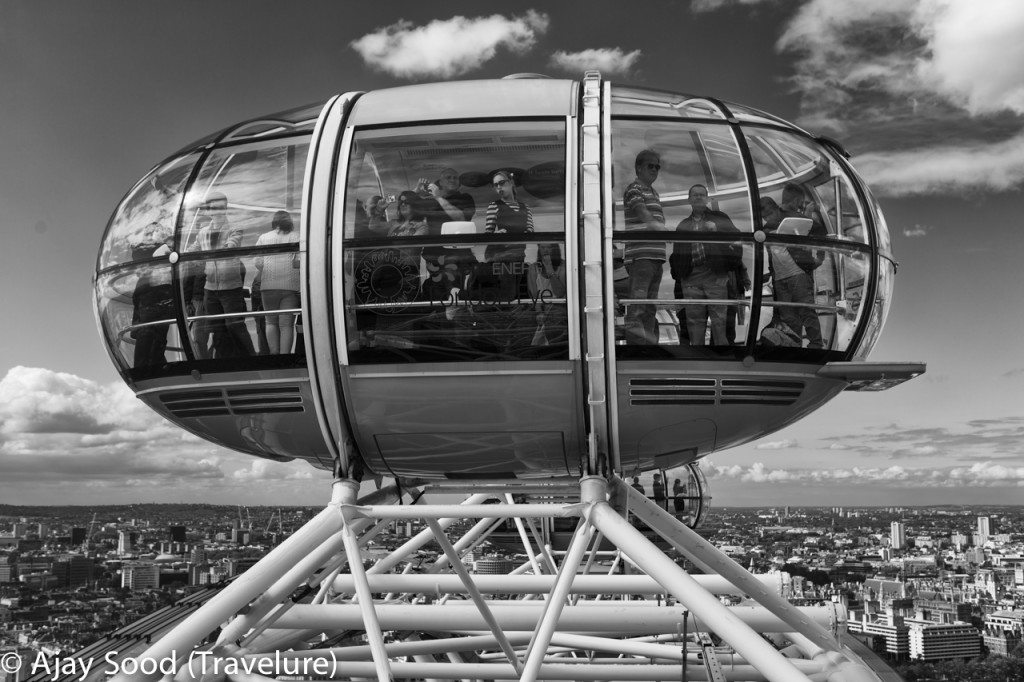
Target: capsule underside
x=481 y=334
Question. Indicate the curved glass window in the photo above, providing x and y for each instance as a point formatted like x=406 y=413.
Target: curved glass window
x=883 y=299
x=150 y=208
x=628 y=101
x=815 y=312
x=239 y=273
x=687 y=154
x=804 y=181
x=455 y=243
x=136 y=311
x=299 y=120
x=250 y=183
x=745 y=114
x=684 y=180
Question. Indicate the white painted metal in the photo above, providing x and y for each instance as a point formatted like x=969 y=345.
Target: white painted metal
x=543 y=584
x=449 y=624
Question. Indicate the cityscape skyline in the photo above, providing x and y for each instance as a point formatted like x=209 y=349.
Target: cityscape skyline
x=934 y=128
x=951 y=593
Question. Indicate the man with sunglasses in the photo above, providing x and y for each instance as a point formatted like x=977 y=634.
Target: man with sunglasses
x=645 y=261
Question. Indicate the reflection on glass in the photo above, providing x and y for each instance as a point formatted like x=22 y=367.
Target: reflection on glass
x=695 y=306
x=216 y=293
x=445 y=175
x=452 y=300
x=136 y=311
x=243 y=186
x=154 y=201
x=299 y=119
x=627 y=101
x=883 y=299
x=462 y=304
x=816 y=310
x=689 y=154
x=802 y=179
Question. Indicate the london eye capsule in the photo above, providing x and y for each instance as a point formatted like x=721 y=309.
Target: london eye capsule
x=516 y=278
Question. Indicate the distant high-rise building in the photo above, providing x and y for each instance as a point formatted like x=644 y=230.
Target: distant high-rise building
x=198 y=555
x=177 y=533
x=898 y=535
x=77 y=536
x=72 y=570
x=125 y=542
x=984 y=528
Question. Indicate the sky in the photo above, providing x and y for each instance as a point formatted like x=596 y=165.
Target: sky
x=928 y=96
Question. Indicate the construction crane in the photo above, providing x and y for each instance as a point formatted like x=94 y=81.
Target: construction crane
x=88 y=533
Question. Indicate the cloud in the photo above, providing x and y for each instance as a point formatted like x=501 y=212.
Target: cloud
x=607 y=60
x=995 y=166
x=34 y=400
x=980 y=474
x=975 y=56
x=449 y=47
x=961 y=51
x=977 y=440
x=903 y=77
x=777 y=445
x=1013 y=373
x=917 y=231
x=713 y=5
x=59 y=430
x=266 y=470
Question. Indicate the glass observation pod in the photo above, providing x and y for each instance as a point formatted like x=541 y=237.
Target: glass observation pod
x=523 y=277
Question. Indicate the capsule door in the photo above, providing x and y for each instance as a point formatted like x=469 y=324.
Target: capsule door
x=457 y=344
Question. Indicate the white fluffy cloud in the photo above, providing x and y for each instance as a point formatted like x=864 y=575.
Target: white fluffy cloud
x=34 y=400
x=777 y=444
x=449 y=47
x=975 y=55
x=607 y=60
x=980 y=475
x=916 y=72
x=965 y=51
x=996 y=166
x=917 y=231
x=67 y=439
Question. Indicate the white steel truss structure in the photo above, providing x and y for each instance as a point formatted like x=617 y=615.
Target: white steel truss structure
x=613 y=605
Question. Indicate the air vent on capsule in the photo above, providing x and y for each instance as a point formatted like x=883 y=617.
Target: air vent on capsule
x=672 y=391
x=233 y=401
x=758 y=392
x=695 y=391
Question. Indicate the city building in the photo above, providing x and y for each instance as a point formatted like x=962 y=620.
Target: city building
x=140 y=576
x=984 y=528
x=898 y=535
x=935 y=642
x=125 y=542
x=889 y=632
x=999 y=641
x=1007 y=620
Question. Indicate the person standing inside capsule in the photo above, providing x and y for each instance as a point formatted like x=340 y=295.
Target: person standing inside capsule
x=279 y=283
x=442 y=202
x=645 y=261
x=222 y=291
x=702 y=269
x=792 y=269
